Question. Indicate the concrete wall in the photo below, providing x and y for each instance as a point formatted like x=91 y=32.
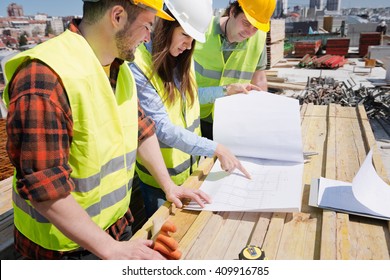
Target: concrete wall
x=353 y=31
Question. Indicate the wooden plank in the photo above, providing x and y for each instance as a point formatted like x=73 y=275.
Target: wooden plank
x=300 y=239
x=6 y=183
x=292 y=242
x=5 y=201
x=5 y=195
x=260 y=229
x=273 y=236
x=242 y=235
x=369 y=239
x=343 y=242
x=206 y=237
x=224 y=237
x=314 y=140
x=328 y=230
x=286 y=86
x=193 y=232
x=347 y=162
x=367 y=235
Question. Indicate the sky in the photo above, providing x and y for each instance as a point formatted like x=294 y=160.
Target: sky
x=74 y=7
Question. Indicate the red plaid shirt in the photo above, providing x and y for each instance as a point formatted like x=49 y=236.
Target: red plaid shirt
x=40 y=131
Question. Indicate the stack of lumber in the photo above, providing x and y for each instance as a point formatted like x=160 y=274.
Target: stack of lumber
x=324 y=62
x=6 y=211
x=306 y=47
x=337 y=46
x=280 y=84
x=6 y=168
x=275 y=42
x=368 y=39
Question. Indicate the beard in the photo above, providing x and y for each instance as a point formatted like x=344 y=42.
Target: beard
x=125 y=52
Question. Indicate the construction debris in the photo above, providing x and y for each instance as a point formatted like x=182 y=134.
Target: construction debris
x=324 y=62
x=325 y=90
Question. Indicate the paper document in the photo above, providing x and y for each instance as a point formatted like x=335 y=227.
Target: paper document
x=367 y=195
x=263 y=130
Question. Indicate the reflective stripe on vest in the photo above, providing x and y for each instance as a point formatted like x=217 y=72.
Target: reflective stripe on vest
x=93 y=210
x=105 y=137
x=239 y=68
x=179 y=164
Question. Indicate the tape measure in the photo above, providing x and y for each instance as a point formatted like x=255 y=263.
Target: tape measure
x=252 y=252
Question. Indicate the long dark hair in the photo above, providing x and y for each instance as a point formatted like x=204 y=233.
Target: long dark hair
x=164 y=63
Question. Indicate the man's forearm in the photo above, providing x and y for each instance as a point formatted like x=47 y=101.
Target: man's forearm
x=74 y=222
x=260 y=79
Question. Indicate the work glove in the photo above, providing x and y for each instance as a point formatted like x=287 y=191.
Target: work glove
x=165 y=244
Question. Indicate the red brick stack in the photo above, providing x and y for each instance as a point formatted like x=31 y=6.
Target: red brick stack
x=302 y=48
x=337 y=46
x=368 y=39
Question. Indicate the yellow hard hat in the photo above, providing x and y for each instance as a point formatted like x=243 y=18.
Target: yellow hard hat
x=258 y=12
x=156 y=5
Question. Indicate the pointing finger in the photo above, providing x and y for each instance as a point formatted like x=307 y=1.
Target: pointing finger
x=244 y=171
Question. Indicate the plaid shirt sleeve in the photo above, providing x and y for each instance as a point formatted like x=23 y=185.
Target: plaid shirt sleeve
x=39 y=128
x=146 y=127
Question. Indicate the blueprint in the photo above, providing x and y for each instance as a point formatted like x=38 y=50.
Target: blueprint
x=263 y=130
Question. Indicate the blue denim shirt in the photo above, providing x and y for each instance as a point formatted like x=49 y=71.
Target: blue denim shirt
x=166 y=131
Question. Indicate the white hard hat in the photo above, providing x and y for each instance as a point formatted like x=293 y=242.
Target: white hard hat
x=194 y=19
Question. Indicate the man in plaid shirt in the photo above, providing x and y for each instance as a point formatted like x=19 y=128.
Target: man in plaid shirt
x=47 y=128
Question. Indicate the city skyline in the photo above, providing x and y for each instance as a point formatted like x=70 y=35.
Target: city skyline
x=74 y=7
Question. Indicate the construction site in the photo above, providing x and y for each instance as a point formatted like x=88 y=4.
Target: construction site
x=344 y=97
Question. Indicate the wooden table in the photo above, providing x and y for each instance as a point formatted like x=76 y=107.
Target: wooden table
x=342 y=136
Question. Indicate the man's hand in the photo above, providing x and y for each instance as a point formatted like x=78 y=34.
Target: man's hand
x=138 y=249
x=240 y=88
x=229 y=162
x=176 y=193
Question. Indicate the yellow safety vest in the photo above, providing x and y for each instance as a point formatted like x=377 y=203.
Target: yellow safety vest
x=180 y=164
x=212 y=70
x=103 y=149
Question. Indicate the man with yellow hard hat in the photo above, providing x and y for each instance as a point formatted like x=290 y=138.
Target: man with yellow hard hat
x=74 y=130
x=233 y=58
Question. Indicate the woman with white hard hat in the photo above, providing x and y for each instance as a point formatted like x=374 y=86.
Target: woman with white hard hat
x=167 y=91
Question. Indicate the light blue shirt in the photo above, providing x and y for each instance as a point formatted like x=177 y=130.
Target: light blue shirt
x=167 y=133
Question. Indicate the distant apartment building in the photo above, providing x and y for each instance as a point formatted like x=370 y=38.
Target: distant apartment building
x=333 y=5
x=56 y=25
x=15 y=10
x=316 y=4
x=40 y=16
x=280 y=9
